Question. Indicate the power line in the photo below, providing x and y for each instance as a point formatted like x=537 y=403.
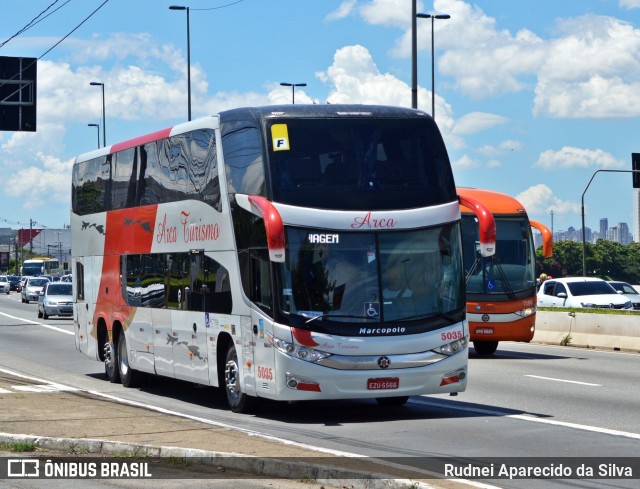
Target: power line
x=216 y=8
x=33 y=22
x=73 y=30
x=59 y=42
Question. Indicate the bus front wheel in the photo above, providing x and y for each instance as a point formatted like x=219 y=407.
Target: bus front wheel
x=238 y=401
x=485 y=347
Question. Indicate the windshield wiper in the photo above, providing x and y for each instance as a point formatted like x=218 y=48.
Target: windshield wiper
x=438 y=315
x=350 y=316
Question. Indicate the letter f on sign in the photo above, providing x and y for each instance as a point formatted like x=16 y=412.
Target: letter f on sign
x=280 y=137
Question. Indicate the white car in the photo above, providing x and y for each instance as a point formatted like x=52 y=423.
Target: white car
x=5 y=285
x=628 y=291
x=581 y=292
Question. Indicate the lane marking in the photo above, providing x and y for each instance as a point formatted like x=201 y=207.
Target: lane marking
x=36 y=323
x=564 y=380
x=44 y=388
x=533 y=419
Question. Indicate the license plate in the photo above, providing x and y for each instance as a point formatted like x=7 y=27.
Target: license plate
x=484 y=330
x=383 y=384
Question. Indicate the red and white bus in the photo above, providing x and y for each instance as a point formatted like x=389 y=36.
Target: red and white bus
x=501 y=289
x=285 y=252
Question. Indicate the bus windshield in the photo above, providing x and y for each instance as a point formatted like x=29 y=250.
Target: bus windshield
x=510 y=269
x=372 y=277
x=32 y=269
x=366 y=164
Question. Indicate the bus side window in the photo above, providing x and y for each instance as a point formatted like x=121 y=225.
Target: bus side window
x=256 y=282
x=79 y=279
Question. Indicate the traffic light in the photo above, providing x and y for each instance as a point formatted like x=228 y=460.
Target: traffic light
x=635 y=166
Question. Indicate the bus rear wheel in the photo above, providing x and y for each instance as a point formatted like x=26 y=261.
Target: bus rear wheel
x=128 y=376
x=239 y=402
x=485 y=347
x=110 y=362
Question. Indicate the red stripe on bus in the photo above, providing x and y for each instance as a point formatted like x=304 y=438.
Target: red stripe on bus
x=147 y=138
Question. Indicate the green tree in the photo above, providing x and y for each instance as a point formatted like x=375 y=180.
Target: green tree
x=606 y=259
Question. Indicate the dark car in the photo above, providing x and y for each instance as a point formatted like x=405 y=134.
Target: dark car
x=14 y=282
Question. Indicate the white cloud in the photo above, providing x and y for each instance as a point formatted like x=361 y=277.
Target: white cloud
x=591 y=71
x=539 y=199
x=500 y=149
x=477 y=121
x=570 y=157
x=630 y=4
x=465 y=163
x=46 y=184
x=343 y=10
x=588 y=70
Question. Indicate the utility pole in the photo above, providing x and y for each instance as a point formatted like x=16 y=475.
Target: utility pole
x=30 y=238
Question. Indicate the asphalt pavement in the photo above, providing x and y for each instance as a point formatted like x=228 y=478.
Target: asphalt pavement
x=55 y=422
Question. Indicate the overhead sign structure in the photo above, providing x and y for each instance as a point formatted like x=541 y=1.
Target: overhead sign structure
x=18 y=93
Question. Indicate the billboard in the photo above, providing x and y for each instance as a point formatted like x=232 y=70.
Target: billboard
x=18 y=93
x=4 y=260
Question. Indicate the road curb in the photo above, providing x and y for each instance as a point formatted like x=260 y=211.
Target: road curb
x=257 y=466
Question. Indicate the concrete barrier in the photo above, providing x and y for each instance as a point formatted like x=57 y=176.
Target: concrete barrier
x=589 y=330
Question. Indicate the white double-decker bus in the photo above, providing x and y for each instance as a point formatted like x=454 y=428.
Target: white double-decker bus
x=285 y=252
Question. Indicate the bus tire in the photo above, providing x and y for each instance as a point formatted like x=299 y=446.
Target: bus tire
x=128 y=376
x=392 y=401
x=485 y=347
x=111 y=362
x=239 y=402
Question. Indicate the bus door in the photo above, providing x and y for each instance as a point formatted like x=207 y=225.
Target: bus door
x=85 y=303
x=256 y=343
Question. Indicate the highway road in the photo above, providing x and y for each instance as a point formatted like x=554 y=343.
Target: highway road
x=562 y=404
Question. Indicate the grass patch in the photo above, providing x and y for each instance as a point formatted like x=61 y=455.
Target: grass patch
x=18 y=447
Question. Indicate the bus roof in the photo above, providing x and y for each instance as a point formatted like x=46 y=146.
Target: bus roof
x=498 y=203
x=259 y=113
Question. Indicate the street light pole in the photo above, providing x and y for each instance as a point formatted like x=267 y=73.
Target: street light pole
x=414 y=57
x=97 y=126
x=584 y=242
x=180 y=7
x=433 y=90
x=293 y=87
x=104 y=124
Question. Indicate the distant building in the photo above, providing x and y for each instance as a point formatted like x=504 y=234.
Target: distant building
x=604 y=227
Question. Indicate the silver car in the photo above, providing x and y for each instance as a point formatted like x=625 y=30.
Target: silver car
x=627 y=290
x=32 y=288
x=56 y=300
x=5 y=285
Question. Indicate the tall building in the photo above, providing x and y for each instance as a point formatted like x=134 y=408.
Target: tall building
x=604 y=227
x=624 y=236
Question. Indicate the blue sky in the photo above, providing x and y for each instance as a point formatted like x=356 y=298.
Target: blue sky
x=532 y=97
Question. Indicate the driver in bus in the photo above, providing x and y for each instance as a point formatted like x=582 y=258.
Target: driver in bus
x=395 y=280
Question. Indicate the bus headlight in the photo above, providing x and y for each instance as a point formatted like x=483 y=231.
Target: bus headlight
x=299 y=352
x=525 y=313
x=453 y=347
